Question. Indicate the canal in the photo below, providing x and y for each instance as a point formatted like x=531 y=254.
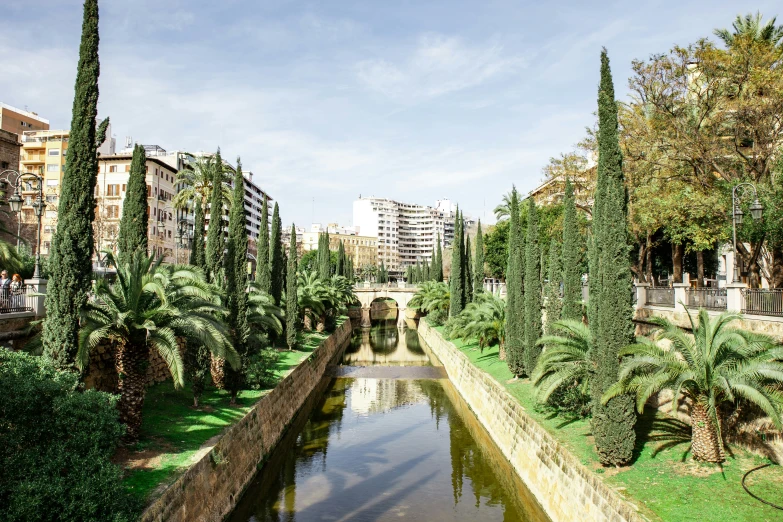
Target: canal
x=387 y=437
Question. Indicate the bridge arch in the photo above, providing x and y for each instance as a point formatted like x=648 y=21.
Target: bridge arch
x=401 y=296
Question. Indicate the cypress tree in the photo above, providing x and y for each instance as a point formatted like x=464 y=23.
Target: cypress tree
x=276 y=257
x=134 y=223
x=533 y=303
x=235 y=269
x=478 y=265
x=610 y=284
x=572 y=279
x=351 y=275
x=515 y=341
x=468 y=272
x=215 y=241
x=291 y=302
x=70 y=258
x=262 y=261
x=197 y=254
x=341 y=261
x=409 y=274
x=324 y=257
x=457 y=298
x=438 y=275
x=554 y=305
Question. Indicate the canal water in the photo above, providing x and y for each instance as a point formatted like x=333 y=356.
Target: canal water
x=387 y=438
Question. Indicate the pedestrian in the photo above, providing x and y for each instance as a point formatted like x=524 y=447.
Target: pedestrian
x=5 y=289
x=17 y=291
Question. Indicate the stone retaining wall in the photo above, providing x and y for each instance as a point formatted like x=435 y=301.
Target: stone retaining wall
x=566 y=490
x=102 y=372
x=772 y=326
x=210 y=489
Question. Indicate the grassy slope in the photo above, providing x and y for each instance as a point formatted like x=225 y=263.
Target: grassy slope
x=663 y=482
x=173 y=431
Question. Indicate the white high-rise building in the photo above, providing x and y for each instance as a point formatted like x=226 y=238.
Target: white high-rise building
x=406 y=232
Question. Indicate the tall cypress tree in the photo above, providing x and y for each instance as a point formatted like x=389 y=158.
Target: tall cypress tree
x=457 y=298
x=610 y=284
x=198 y=256
x=235 y=269
x=438 y=275
x=324 y=257
x=554 y=305
x=262 y=261
x=70 y=258
x=291 y=302
x=533 y=303
x=572 y=278
x=515 y=316
x=468 y=272
x=276 y=257
x=215 y=241
x=478 y=265
x=341 y=259
x=135 y=220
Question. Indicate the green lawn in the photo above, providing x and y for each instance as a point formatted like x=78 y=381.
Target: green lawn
x=663 y=481
x=173 y=432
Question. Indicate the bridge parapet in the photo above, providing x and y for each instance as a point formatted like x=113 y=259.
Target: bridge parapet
x=401 y=295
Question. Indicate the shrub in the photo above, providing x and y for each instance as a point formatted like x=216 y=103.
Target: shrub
x=438 y=317
x=260 y=368
x=55 y=446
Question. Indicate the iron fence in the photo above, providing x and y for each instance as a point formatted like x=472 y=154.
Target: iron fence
x=14 y=301
x=660 y=296
x=709 y=298
x=760 y=301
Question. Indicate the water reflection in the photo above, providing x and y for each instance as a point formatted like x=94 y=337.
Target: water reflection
x=386 y=449
x=385 y=344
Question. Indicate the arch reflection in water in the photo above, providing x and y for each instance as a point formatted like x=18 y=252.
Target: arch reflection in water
x=384 y=449
x=385 y=344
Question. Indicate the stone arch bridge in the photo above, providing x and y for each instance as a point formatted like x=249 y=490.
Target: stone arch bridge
x=401 y=295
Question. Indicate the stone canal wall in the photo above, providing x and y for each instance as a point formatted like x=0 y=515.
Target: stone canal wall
x=210 y=489
x=567 y=491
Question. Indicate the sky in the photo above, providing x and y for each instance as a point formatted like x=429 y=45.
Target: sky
x=326 y=101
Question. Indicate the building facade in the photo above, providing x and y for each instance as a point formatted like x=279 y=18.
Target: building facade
x=19 y=121
x=362 y=250
x=406 y=233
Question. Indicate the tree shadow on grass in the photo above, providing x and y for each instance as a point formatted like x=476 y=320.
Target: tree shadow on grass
x=661 y=431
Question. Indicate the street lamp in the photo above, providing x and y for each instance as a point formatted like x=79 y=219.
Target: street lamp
x=756 y=209
x=15 y=202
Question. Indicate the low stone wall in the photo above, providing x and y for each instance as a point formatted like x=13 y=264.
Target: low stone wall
x=102 y=372
x=566 y=490
x=210 y=489
x=772 y=326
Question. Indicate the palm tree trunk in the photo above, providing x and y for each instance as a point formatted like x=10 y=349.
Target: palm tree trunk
x=321 y=325
x=131 y=364
x=705 y=442
x=307 y=323
x=502 y=352
x=218 y=371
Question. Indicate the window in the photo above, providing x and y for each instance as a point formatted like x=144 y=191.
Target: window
x=3 y=164
x=51 y=198
x=127 y=167
x=52 y=168
x=51 y=214
x=112 y=190
x=48 y=229
x=124 y=186
x=113 y=168
x=54 y=152
x=149 y=191
x=47 y=245
x=52 y=182
x=112 y=211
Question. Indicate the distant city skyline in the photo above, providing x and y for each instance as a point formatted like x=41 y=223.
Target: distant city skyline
x=326 y=102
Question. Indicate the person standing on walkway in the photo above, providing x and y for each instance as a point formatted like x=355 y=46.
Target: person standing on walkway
x=5 y=289
x=17 y=291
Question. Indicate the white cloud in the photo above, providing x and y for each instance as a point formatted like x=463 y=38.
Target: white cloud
x=438 y=65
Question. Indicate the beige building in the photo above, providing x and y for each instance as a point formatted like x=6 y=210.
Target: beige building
x=362 y=250
x=20 y=121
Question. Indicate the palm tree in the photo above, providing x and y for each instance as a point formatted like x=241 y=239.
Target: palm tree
x=149 y=307
x=311 y=294
x=565 y=360
x=483 y=320
x=503 y=210
x=196 y=181
x=716 y=365
x=431 y=296
x=263 y=315
x=750 y=26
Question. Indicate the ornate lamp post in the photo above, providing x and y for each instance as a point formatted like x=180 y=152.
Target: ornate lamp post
x=15 y=202
x=756 y=210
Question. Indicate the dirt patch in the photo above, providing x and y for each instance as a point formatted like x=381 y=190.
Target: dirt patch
x=695 y=469
x=147 y=458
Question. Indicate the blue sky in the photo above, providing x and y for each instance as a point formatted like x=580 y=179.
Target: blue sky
x=411 y=100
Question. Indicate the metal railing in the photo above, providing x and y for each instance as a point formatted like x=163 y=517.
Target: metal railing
x=709 y=298
x=660 y=296
x=759 y=301
x=15 y=301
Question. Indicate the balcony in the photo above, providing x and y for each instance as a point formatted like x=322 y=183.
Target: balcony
x=34 y=158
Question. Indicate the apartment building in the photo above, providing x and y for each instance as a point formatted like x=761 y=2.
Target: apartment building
x=406 y=233
x=19 y=121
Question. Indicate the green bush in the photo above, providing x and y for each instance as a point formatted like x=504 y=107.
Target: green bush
x=438 y=317
x=55 y=446
x=260 y=369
